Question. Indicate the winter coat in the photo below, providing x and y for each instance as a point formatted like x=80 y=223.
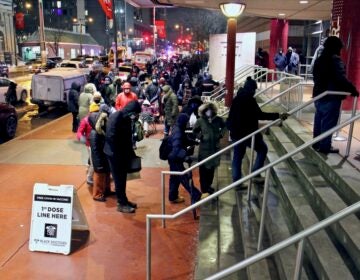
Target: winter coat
x=123 y=99
x=179 y=139
x=85 y=100
x=171 y=108
x=280 y=61
x=245 y=114
x=118 y=138
x=209 y=131
x=152 y=93
x=84 y=131
x=73 y=103
x=329 y=74
x=97 y=142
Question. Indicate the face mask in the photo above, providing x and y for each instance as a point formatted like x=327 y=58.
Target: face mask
x=133 y=117
x=209 y=113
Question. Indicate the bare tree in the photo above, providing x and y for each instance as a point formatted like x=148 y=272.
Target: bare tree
x=54 y=40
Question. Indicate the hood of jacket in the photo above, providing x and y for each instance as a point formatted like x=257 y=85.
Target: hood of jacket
x=204 y=107
x=76 y=86
x=182 y=120
x=133 y=107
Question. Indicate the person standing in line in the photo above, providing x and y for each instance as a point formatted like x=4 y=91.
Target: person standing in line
x=125 y=97
x=209 y=128
x=243 y=120
x=329 y=74
x=73 y=104
x=280 y=62
x=119 y=151
x=85 y=100
x=178 y=155
x=171 y=108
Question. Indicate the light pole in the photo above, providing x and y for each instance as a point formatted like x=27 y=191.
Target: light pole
x=231 y=10
x=41 y=33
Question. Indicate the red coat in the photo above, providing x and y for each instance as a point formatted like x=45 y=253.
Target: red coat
x=123 y=99
x=84 y=130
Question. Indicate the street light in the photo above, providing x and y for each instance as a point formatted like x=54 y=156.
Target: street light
x=231 y=10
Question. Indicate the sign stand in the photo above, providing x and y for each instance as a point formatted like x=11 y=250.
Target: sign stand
x=56 y=211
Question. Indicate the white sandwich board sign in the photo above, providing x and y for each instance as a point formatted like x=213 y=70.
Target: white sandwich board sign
x=51 y=218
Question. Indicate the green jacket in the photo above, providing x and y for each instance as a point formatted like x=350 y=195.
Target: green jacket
x=209 y=130
x=171 y=109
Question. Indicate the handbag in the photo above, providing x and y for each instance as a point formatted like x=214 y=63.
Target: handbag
x=135 y=165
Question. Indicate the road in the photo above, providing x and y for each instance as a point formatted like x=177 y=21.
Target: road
x=28 y=114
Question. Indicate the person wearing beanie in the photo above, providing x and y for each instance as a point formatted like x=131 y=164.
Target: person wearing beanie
x=243 y=120
x=119 y=151
x=171 y=109
x=329 y=74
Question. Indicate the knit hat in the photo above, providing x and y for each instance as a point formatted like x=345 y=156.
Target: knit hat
x=94 y=107
x=97 y=96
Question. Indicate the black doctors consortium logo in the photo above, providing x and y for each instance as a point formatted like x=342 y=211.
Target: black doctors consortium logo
x=50 y=230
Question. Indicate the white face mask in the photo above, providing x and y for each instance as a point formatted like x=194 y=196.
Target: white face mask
x=209 y=113
x=133 y=117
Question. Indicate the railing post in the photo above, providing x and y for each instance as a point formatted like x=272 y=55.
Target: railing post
x=163 y=210
x=351 y=129
x=263 y=209
x=148 y=248
x=250 y=165
x=299 y=258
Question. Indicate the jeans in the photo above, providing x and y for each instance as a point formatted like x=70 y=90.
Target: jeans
x=239 y=152
x=326 y=117
x=175 y=181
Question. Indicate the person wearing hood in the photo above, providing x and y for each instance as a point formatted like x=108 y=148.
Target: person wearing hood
x=152 y=92
x=243 y=120
x=171 y=109
x=73 y=104
x=119 y=151
x=112 y=91
x=85 y=100
x=209 y=128
x=178 y=155
x=192 y=109
x=125 y=97
x=101 y=176
x=329 y=74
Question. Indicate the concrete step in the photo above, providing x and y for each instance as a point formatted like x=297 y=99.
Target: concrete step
x=324 y=200
x=319 y=250
x=338 y=171
x=219 y=232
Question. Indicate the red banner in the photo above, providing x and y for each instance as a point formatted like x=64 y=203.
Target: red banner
x=19 y=21
x=160 y=28
x=106 y=5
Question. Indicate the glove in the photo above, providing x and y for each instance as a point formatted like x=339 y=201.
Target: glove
x=283 y=116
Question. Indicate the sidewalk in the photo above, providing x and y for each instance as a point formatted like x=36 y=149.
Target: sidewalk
x=115 y=248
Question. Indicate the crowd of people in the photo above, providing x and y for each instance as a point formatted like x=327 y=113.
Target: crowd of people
x=111 y=117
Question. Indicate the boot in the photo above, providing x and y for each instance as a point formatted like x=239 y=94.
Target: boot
x=99 y=186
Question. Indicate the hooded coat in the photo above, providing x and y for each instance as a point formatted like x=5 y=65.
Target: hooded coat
x=245 y=113
x=85 y=100
x=209 y=130
x=118 y=138
x=73 y=103
x=329 y=71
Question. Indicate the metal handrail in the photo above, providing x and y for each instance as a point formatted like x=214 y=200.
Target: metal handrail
x=299 y=237
x=163 y=216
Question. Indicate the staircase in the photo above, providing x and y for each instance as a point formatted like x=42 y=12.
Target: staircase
x=304 y=190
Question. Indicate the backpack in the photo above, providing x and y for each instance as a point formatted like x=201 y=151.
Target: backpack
x=165 y=148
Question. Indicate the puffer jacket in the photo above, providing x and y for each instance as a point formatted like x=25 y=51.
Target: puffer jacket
x=85 y=100
x=97 y=142
x=209 y=130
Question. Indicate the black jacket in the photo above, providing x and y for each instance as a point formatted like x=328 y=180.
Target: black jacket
x=73 y=103
x=97 y=142
x=245 y=114
x=118 y=139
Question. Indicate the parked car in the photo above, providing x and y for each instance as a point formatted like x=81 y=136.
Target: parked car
x=21 y=92
x=56 y=59
x=50 y=64
x=4 y=69
x=8 y=121
x=73 y=64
